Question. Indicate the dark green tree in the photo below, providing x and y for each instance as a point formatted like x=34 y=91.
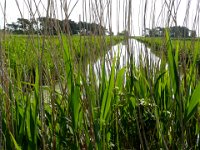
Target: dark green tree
x=12 y=27
x=53 y=26
x=193 y=33
x=123 y=33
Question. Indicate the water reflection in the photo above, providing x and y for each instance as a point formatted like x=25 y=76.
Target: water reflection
x=140 y=53
x=123 y=52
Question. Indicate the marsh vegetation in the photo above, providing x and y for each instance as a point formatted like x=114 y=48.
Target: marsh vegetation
x=104 y=91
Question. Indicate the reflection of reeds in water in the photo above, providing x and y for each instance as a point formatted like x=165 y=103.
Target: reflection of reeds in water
x=135 y=107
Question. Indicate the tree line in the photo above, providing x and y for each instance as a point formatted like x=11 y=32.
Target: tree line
x=53 y=26
x=175 y=31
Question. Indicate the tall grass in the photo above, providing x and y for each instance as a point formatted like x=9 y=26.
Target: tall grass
x=51 y=98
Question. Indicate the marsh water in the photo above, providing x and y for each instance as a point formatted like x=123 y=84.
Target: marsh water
x=122 y=52
x=125 y=52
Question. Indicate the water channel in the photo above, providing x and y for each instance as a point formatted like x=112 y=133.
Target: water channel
x=142 y=55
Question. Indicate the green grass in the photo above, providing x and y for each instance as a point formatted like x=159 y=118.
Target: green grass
x=153 y=108
x=186 y=46
x=23 y=52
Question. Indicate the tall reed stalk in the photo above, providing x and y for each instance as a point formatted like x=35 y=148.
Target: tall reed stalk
x=53 y=97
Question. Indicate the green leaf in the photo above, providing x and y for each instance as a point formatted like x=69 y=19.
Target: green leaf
x=75 y=104
x=193 y=102
x=172 y=65
x=120 y=78
x=28 y=121
x=107 y=97
x=17 y=147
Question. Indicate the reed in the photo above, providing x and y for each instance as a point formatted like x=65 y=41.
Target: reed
x=52 y=97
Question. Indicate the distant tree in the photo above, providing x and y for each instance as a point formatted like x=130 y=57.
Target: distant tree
x=91 y=28
x=12 y=27
x=178 y=31
x=54 y=26
x=146 y=32
x=175 y=31
x=33 y=27
x=69 y=26
x=24 y=24
x=73 y=27
x=123 y=33
x=110 y=33
x=48 y=25
x=193 y=33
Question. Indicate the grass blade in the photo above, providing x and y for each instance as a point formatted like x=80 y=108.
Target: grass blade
x=194 y=101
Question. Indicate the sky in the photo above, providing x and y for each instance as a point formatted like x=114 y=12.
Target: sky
x=156 y=12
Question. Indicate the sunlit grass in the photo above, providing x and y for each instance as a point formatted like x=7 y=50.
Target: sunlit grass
x=51 y=97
